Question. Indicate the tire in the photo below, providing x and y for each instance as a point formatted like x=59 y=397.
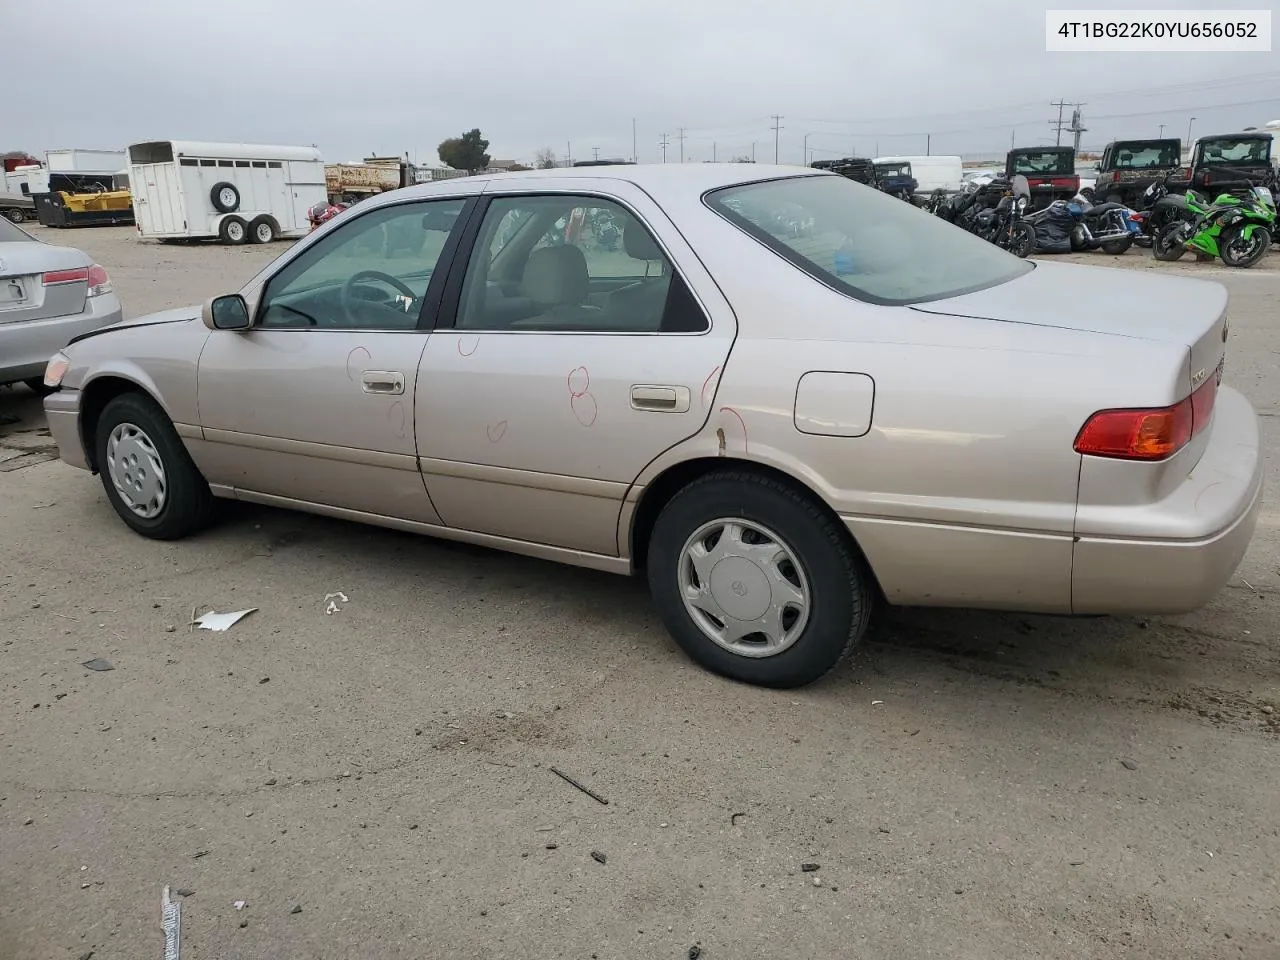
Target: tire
x=1078 y=244
x=225 y=197
x=15 y=215
x=1117 y=247
x=1087 y=193
x=835 y=583
x=36 y=386
x=232 y=231
x=1232 y=236
x=186 y=505
x=262 y=230
x=1162 y=247
x=1114 y=198
x=1023 y=241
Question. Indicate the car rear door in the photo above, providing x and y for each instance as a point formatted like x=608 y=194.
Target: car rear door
x=538 y=407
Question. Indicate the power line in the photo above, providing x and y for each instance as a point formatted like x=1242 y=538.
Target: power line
x=663 y=142
x=777 y=127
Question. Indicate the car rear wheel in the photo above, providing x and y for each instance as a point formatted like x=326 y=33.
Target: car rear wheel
x=232 y=231
x=755 y=582
x=146 y=471
x=15 y=214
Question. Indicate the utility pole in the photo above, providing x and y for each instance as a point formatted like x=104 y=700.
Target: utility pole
x=663 y=142
x=713 y=151
x=635 y=157
x=595 y=153
x=1189 y=123
x=928 y=144
x=1013 y=136
x=1076 y=128
x=1060 y=105
x=753 y=151
x=1160 y=136
x=680 y=137
x=568 y=153
x=777 y=128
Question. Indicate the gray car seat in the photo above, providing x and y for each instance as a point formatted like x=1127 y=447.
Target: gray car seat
x=639 y=305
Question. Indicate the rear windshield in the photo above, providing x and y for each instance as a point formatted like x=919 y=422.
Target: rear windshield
x=893 y=169
x=11 y=233
x=1144 y=156
x=1046 y=161
x=865 y=243
x=1244 y=152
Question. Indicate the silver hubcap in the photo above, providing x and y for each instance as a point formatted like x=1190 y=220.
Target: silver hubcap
x=264 y=232
x=227 y=197
x=744 y=587
x=136 y=470
x=235 y=231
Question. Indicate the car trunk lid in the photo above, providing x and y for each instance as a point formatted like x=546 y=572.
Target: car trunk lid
x=39 y=281
x=1120 y=303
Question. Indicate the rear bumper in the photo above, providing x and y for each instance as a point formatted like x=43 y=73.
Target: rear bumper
x=26 y=346
x=1207 y=522
x=62 y=410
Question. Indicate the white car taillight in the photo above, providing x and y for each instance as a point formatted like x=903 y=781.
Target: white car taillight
x=99 y=281
x=56 y=369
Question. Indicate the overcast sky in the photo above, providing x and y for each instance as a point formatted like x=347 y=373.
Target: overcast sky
x=396 y=76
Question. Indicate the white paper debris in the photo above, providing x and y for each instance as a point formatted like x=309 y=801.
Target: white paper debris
x=221 y=621
x=876 y=702
x=239 y=904
x=171 y=922
x=331 y=601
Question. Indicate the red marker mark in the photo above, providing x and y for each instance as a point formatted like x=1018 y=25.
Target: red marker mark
x=396 y=417
x=474 y=348
x=578 y=381
x=707 y=382
x=351 y=355
x=741 y=421
x=585 y=408
x=496 y=431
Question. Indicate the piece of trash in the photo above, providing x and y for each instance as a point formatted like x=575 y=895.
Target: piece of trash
x=98 y=664
x=817 y=881
x=87 y=955
x=809 y=867
x=239 y=904
x=552 y=846
x=85 y=886
x=199 y=853
x=221 y=621
x=1077 y=863
x=1209 y=852
x=1129 y=764
x=243 y=924
x=297 y=908
x=171 y=923
x=332 y=601
x=876 y=702
x=1268 y=709
x=695 y=952
x=264 y=680
x=170 y=628
x=27 y=822
x=733 y=818
x=599 y=857
x=186 y=892
x=572 y=782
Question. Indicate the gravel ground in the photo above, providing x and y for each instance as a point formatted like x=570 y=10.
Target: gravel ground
x=972 y=785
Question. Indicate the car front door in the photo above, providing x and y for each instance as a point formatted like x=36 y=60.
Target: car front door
x=583 y=339
x=314 y=403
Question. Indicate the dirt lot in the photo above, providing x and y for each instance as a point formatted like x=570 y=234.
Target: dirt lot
x=972 y=785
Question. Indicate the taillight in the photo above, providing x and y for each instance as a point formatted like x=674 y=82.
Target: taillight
x=55 y=277
x=99 y=281
x=1065 y=182
x=1148 y=434
x=95 y=277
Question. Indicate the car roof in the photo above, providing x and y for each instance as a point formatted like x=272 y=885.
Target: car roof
x=657 y=179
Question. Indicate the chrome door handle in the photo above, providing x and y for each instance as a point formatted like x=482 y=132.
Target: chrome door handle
x=382 y=381
x=663 y=399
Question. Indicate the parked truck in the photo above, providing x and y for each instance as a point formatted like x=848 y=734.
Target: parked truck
x=1050 y=172
x=351 y=182
x=1232 y=163
x=1128 y=167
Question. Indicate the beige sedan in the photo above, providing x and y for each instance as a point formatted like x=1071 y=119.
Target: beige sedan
x=778 y=393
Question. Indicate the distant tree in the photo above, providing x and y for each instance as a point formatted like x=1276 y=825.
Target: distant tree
x=545 y=158
x=743 y=159
x=466 y=152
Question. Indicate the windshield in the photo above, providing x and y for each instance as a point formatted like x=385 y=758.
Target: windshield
x=1242 y=151
x=864 y=243
x=893 y=169
x=1141 y=157
x=12 y=233
x=1043 y=161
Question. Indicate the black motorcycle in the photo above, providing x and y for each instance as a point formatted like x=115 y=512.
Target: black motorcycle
x=1159 y=208
x=1005 y=224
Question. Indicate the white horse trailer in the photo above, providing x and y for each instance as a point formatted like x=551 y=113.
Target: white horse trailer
x=234 y=192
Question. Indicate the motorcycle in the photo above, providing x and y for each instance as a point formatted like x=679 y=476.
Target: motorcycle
x=1160 y=207
x=1005 y=224
x=1105 y=226
x=1236 y=230
x=321 y=213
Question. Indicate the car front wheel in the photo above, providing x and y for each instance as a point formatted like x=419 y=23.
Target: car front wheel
x=146 y=471
x=755 y=582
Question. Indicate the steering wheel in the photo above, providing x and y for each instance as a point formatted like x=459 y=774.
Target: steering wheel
x=348 y=296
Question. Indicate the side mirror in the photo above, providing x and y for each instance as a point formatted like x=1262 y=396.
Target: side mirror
x=229 y=312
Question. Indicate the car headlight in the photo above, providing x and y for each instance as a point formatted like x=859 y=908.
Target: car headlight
x=56 y=369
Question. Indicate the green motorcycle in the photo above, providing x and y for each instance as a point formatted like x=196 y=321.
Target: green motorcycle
x=1237 y=230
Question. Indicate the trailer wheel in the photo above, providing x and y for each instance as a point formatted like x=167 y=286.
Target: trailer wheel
x=15 y=214
x=225 y=197
x=262 y=230
x=232 y=231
